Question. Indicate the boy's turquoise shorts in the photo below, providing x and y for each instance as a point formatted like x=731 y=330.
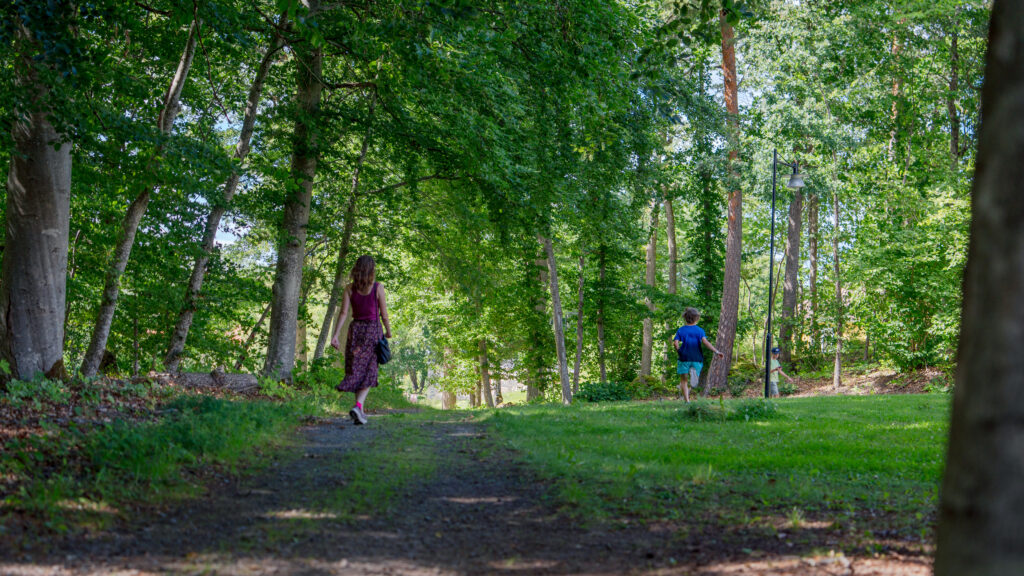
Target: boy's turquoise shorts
x=685 y=367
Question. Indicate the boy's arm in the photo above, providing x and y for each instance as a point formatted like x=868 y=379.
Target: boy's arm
x=711 y=347
x=675 y=343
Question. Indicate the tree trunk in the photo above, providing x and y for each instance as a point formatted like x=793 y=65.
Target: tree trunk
x=498 y=398
x=448 y=400
x=172 y=360
x=787 y=317
x=894 y=51
x=485 y=374
x=838 y=364
x=673 y=254
x=35 y=257
x=951 y=97
x=300 y=328
x=346 y=239
x=673 y=285
x=647 y=351
x=556 y=320
x=252 y=336
x=729 y=314
x=579 y=330
x=812 y=249
x=412 y=380
x=981 y=528
x=292 y=235
x=132 y=218
x=600 y=314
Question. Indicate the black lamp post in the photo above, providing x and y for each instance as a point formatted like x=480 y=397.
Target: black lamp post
x=796 y=181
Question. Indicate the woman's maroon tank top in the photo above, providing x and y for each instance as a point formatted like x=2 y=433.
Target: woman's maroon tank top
x=364 y=306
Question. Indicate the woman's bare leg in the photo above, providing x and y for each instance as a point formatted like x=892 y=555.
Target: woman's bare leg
x=361 y=396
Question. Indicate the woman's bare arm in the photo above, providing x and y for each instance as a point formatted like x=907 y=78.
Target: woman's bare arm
x=382 y=301
x=342 y=316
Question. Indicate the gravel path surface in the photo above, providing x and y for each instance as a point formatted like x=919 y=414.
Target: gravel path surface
x=481 y=512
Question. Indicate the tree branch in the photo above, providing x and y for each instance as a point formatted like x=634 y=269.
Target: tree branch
x=417 y=180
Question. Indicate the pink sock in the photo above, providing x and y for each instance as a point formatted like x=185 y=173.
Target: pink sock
x=359 y=405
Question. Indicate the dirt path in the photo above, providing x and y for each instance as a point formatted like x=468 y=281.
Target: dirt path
x=479 y=511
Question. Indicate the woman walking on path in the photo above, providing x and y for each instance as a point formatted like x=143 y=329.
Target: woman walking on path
x=366 y=300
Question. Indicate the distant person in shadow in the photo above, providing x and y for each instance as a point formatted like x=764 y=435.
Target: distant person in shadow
x=366 y=300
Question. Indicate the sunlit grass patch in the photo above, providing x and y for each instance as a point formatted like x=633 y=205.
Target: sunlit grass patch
x=880 y=455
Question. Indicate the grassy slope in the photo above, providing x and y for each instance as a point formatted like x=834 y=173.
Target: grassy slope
x=837 y=457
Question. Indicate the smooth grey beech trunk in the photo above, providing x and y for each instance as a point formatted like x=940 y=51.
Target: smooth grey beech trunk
x=32 y=292
x=981 y=508
x=292 y=234
x=791 y=284
x=485 y=374
x=647 y=349
x=132 y=218
x=556 y=320
x=172 y=360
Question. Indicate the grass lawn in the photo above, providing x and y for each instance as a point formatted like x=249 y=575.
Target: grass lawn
x=868 y=460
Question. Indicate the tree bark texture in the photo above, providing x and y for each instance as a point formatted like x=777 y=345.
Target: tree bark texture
x=172 y=360
x=812 y=281
x=579 y=330
x=35 y=260
x=650 y=276
x=602 y=265
x=791 y=284
x=837 y=367
x=292 y=235
x=133 y=216
x=981 y=525
x=338 y=286
x=673 y=257
x=556 y=321
x=448 y=400
x=485 y=374
x=729 y=314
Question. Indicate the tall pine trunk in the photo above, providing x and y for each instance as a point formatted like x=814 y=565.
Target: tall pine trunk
x=292 y=234
x=981 y=525
x=650 y=276
x=35 y=259
x=132 y=218
x=812 y=281
x=729 y=314
x=579 y=328
x=951 y=97
x=602 y=265
x=837 y=366
x=346 y=241
x=172 y=360
x=673 y=257
x=556 y=320
x=791 y=285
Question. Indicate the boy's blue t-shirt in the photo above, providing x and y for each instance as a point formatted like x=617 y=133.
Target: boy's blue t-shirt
x=689 y=348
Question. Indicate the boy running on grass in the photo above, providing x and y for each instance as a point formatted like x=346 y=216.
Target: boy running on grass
x=773 y=374
x=687 y=343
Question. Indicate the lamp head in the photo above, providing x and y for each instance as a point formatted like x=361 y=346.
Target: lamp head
x=796 y=180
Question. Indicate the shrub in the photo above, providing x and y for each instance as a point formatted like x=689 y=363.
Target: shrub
x=786 y=388
x=738 y=384
x=704 y=411
x=755 y=409
x=603 y=392
x=648 y=386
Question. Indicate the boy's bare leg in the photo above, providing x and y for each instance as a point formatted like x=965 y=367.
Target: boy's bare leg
x=682 y=387
x=694 y=381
